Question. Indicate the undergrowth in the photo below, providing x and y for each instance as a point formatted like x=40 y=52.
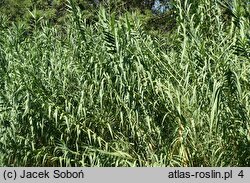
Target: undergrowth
x=110 y=94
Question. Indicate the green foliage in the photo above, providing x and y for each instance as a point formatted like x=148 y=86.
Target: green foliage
x=108 y=94
x=17 y=10
x=14 y=8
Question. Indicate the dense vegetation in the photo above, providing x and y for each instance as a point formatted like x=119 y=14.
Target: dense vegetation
x=114 y=92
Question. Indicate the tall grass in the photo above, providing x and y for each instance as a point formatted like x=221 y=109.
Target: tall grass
x=109 y=94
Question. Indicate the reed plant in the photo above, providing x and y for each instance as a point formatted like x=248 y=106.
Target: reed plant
x=110 y=94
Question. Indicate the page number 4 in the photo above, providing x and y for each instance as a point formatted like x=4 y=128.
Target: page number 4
x=241 y=174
